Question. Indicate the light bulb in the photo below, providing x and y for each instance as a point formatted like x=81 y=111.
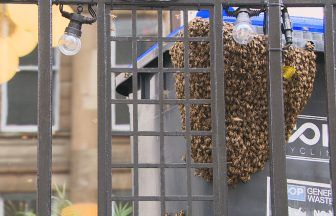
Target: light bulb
x=243 y=31
x=69 y=44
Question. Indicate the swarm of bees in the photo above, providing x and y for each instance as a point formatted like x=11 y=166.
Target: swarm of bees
x=246 y=97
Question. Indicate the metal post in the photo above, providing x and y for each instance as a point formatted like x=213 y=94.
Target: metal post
x=276 y=112
x=135 y=114
x=218 y=95
x=330 y=45
x=161 y=101
x=186 y=45
x=104 y=110
x=44 y=109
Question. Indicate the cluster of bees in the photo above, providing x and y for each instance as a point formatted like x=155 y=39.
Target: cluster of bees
x=246 y=97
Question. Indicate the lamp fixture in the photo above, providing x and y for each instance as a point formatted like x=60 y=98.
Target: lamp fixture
x=70 y=43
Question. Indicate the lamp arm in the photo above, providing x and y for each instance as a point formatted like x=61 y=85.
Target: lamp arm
x=65 y=13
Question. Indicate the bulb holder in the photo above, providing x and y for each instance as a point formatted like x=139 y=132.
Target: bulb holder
x=251 y=12
x=243 y=16
x=75 y=25
x=287 y=28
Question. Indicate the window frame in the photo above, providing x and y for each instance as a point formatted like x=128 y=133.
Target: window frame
x=4 y=127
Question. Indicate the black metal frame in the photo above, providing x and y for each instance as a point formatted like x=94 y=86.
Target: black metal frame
x=44 y=173
x=289 y=3
x=276 y=110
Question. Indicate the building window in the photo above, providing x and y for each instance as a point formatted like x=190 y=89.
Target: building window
x=19 y=97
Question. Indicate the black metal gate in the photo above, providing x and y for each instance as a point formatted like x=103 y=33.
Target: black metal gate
x=219 y=165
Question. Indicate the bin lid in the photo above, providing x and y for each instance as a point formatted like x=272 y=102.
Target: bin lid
x=305 y=29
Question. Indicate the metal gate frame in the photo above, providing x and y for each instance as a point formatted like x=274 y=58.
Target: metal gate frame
x=276 y=110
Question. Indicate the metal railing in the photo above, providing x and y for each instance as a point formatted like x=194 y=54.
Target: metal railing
x=219 y=165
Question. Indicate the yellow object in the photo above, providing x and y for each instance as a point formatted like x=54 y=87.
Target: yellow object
x=23 y=42
x=6 y=26
x=25 y=16
x=288 y=72
x=84 y=209
x=9 y=62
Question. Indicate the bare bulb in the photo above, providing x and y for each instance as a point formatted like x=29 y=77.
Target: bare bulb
x=243 y=31
x=69 y=44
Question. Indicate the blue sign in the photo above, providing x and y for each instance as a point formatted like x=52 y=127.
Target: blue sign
x=296 y=193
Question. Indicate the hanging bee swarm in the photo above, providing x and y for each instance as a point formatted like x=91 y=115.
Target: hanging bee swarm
x=246 y=97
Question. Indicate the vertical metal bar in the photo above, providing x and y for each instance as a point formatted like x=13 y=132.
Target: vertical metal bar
x=187 y=108
x=161 y=90
x=330 y=46
x=218 y=115
x=44 y=109
x=276 y=112
x=214 y=112
x=104 y=111
x=135 y=115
